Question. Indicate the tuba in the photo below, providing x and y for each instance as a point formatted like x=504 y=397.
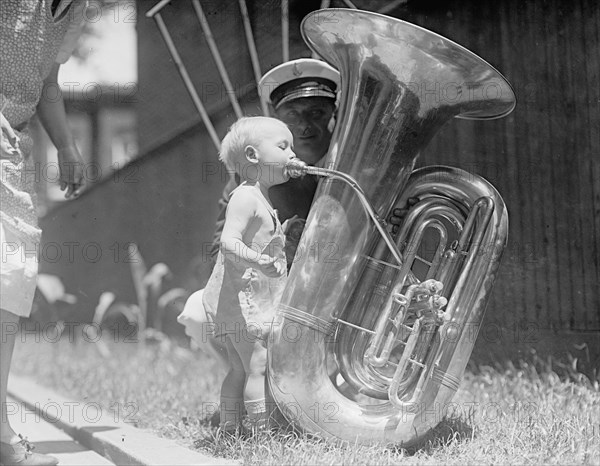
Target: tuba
x=398 y=323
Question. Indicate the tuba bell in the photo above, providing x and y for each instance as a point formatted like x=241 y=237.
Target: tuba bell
x=399 y=324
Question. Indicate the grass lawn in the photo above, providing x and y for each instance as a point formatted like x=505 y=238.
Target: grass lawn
x=513 y=415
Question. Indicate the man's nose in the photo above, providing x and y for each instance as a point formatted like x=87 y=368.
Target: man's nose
x=303 y=123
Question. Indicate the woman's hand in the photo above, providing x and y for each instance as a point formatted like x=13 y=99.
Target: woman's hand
x=399 y=214
x=9 y=139
x=51 y=113
x=293 y=229
x=71 y=170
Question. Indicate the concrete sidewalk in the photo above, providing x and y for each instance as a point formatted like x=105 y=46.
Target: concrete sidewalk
x=79 y=433
x=49 y=439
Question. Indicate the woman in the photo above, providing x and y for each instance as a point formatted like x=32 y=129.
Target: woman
x=36 y=36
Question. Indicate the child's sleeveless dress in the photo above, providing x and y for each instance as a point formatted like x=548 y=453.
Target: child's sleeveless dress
x=242 y=300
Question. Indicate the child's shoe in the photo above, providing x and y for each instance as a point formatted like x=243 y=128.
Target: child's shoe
x=213 y=420
x=21 y=454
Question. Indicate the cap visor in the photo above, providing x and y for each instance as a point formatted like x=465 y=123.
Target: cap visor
x=307 y=92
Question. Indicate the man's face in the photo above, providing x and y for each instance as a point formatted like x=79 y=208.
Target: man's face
x=308 y=118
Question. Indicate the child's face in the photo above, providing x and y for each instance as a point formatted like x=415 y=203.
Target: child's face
x=274 y=151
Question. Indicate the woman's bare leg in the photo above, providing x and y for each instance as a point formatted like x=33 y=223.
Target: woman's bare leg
x=9 y=324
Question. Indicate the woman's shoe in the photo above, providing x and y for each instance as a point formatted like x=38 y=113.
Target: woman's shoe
x=21 y=454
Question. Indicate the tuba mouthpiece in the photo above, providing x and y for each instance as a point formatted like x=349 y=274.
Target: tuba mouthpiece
x=296 y=168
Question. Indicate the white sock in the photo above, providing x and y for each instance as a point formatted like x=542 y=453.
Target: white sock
x=257 y=413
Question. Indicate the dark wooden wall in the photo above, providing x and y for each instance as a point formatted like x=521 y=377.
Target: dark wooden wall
x=543 y=158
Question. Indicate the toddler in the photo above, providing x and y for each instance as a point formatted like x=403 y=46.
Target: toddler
x=246 y=284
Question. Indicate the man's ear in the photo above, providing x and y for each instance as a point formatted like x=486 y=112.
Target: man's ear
x=251 y=154
x=332 y=121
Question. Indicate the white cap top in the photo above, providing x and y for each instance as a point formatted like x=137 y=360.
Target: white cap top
x=305 y=77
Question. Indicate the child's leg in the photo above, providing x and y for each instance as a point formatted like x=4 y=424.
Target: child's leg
x=254 y=358
x=232 y=391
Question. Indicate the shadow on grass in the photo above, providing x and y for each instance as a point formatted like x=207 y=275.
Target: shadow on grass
x=450 y=430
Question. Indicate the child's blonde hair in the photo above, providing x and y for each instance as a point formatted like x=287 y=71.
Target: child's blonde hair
x=242 y=133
